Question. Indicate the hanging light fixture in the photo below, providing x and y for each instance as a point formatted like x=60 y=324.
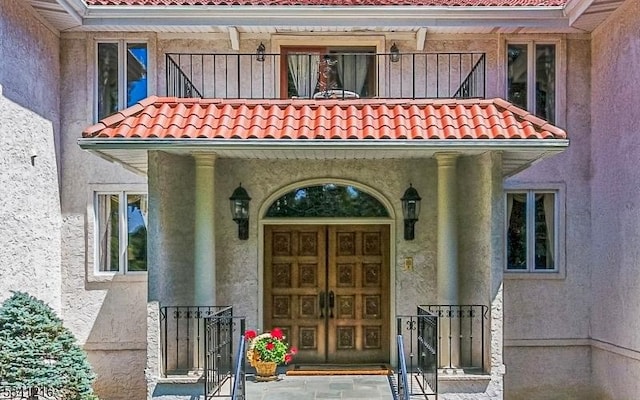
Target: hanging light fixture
x=410 y=211
x=240 y=211
x=395 y=53
x=260 y=52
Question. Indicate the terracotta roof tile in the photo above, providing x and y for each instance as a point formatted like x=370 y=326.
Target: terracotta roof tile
x=442 y=3
x=172 y=118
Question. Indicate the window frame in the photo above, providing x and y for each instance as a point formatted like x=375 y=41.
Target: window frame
x=122 y=70
x=280 y=42
x=559 y=271
x=560 y=81
x=123 y=243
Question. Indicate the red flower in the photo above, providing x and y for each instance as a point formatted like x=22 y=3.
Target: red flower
x=288 y=358
x=276 y=333
x=269 y=346
x=250 y=335
x=294 y=350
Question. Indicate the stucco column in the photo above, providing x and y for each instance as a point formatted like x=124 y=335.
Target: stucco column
x=447 y=260
x=204 y=291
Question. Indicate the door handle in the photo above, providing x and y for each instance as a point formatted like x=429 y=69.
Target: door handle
x=332 y=299
x=322 y=303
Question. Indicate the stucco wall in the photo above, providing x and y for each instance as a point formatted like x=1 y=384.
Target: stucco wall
x=541 y=308
x=29 y=129
x=106 y=313
x=615 y=209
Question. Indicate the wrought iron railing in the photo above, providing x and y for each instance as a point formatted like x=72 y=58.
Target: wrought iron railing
x=219 y=367
x=402 y=389
x=238 y=391
x=334 y=75
x=182 y=337
x=461 y=336
x=419 y=337
x=473 y=85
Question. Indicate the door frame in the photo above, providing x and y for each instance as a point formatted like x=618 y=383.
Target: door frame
x=391 y=221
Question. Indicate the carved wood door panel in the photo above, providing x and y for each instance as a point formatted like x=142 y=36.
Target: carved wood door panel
x=327 y=287
x=294 y=276
x=358 y=281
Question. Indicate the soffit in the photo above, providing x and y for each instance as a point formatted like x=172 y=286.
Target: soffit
x=438 y=16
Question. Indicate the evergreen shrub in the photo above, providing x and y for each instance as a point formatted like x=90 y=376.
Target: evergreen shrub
x=38 y=355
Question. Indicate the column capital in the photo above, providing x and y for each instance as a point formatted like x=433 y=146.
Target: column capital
x=204 y=159
x=446 y=159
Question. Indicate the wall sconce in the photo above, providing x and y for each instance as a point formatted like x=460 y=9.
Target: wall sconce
x=240 y=211
x=410 y=211
x=260 y=52
x=395 y=53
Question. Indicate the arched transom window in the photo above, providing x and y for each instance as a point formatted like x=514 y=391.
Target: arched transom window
x=327 y=200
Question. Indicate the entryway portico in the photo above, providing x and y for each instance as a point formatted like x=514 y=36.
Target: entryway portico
x=455 y=154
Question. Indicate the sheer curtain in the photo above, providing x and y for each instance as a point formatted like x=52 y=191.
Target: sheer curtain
x=104 y=232
x=549 y=214
x=352 y=69
x=304 y=71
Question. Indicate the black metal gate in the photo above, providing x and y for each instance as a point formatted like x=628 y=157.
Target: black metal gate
x=417 y=342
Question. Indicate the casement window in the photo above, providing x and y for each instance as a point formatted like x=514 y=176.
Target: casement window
x=532 y=231
x=121 y=71
x=531 y=77
x=121 y=232
x=316 y=72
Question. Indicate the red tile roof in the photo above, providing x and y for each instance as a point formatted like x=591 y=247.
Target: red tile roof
x=442 y=3
x=371 y=119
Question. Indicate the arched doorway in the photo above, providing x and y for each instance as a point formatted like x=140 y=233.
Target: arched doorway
x=327 y=273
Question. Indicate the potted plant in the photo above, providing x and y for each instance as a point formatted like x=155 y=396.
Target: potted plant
x=266 y=351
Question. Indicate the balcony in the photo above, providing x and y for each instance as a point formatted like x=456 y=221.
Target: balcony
x=326 y=76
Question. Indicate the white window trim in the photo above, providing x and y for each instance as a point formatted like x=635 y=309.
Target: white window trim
x=93 y=265
x=122 y=68
x=561 y=81
x=560 y=237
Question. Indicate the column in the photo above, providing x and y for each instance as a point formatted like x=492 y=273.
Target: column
x=204 y=291
x=447 y=260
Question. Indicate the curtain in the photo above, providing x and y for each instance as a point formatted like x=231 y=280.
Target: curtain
x=352 y=69
x=104 y=231
x=549 y=214
x=521 y=197
x=304 y=71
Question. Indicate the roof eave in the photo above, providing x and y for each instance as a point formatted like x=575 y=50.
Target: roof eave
x=557 y=145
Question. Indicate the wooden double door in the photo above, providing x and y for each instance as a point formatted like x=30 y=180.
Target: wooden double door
x=327 y=287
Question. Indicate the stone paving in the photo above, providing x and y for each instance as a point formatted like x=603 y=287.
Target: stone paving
x=345 y=387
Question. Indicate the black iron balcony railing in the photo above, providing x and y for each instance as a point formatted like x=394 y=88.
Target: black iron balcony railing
x=334 y=75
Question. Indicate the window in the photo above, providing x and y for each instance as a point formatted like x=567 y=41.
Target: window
x=531 y=74
x=121 y=75
x=532 y=231
x=121 y=221
x=327 y=201
x=329 y=71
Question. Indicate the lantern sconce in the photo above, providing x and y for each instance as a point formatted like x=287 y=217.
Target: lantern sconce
x=240 y=211
x=260 y=52
x=395 y=53
x=410 y=211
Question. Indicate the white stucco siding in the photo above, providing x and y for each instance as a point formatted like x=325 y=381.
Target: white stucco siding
x=106 y=313
x=540 y=309
x=615 y=210
x=29 y=200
